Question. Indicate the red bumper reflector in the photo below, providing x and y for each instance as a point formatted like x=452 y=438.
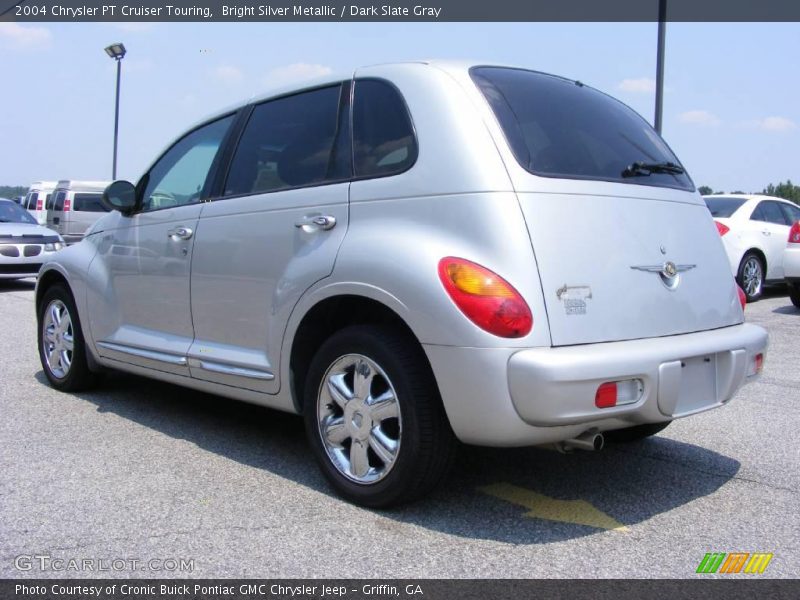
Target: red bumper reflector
x=606 y=395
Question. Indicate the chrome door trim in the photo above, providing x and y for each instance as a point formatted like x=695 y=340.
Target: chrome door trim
x=225 y=369
x=141 y=353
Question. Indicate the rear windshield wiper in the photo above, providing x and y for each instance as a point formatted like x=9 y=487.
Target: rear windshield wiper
x=639 y=169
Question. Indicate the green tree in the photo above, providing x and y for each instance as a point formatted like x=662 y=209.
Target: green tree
x=787 y=190
x=705 y=190
x=12 y=191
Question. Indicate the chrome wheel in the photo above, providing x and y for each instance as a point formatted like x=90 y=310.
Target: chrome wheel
x=58 y=342
x=752 y=277
x=359 y=419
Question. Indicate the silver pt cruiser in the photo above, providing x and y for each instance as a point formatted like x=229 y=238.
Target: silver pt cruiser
x=408 y=256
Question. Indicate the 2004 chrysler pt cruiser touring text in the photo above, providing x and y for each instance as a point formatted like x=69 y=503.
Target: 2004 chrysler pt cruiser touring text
x=411 y=255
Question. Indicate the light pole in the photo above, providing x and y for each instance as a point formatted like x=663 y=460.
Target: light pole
x=117 y=52
x=662 y=18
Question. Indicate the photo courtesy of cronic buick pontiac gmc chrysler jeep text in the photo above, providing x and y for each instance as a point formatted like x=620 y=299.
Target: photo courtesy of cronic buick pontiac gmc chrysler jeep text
x=411 y=255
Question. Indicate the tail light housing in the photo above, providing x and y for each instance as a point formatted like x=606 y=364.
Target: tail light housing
x=742 y=295
x=39 y=202
x=722 y=228
x=485 y=298
x=67 y=204
x=794 y=233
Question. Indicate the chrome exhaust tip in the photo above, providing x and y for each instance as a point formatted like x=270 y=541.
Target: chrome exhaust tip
x=589 y=441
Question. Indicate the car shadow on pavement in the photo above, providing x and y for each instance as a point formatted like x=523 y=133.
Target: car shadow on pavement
x=17 y=285
x=630 y=483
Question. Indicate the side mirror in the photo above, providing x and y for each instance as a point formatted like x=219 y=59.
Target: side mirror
x=121 y=196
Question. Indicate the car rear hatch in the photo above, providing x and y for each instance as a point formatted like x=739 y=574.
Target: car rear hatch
x=619 y=256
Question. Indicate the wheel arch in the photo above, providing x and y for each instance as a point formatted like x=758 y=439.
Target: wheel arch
x=323 y=319
x=47 y=280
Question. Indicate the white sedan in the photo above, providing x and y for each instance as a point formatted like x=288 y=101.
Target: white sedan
x=755 y=232
x=791 y=263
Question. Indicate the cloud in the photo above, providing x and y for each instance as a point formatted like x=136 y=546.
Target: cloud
x=778 y=124
x=295 y=72
x=228 y=74
x=699 y=117
x=20 y=37
x=643 y=85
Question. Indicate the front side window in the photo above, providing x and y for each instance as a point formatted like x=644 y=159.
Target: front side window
x=181 y=175
x=561 y=128
x=88 y=203
x=383 y=136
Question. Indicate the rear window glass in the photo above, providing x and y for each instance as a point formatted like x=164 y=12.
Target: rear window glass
x=561 y=128
x=31 y=201
x=88 y=203
x=383 y=137
x=59 y=203
x=48 y=204
x=723 y=207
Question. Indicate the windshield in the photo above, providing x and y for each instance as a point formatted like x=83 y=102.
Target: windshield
x=723 y=207
x=561 y=128
x=11 y=213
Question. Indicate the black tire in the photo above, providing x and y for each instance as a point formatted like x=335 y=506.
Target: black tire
x=77 y=376
x=794 y=294
x=635 y=433
x=751 y=261
x=426 y=443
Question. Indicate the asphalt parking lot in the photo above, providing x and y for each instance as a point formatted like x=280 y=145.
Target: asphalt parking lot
x=139 y=470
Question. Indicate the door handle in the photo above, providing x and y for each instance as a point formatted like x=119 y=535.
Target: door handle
x=180 y=233
x=766 y=232
x=312 y=223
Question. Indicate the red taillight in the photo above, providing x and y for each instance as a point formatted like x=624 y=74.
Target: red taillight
x=722 y=228
x=485 y=298
x=39 y=203
x=759 y=362
x=794 y=233
x=67 y=204
x=742 y=296
x=606 y=395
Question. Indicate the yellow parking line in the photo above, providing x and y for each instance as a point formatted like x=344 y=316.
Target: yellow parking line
x=578 y=512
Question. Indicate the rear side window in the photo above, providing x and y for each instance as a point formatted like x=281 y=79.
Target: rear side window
x=290 y=142
x=723 y=207
x=769 y=212
x=792 y=213
x=88 y=203
x=561 y=128
x=59 y=202
x=383 y=136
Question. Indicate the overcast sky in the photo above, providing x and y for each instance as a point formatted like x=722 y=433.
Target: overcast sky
x=731 y=107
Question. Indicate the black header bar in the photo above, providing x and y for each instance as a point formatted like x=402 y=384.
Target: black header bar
x=277 y=11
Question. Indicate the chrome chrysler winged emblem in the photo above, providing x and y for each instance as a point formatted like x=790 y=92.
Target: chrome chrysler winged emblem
x=669 y=272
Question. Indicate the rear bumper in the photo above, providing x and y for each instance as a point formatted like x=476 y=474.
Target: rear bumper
x=791 y=263
x=504 y=397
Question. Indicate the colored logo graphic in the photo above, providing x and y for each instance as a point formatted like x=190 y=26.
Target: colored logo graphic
x=734 y=562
